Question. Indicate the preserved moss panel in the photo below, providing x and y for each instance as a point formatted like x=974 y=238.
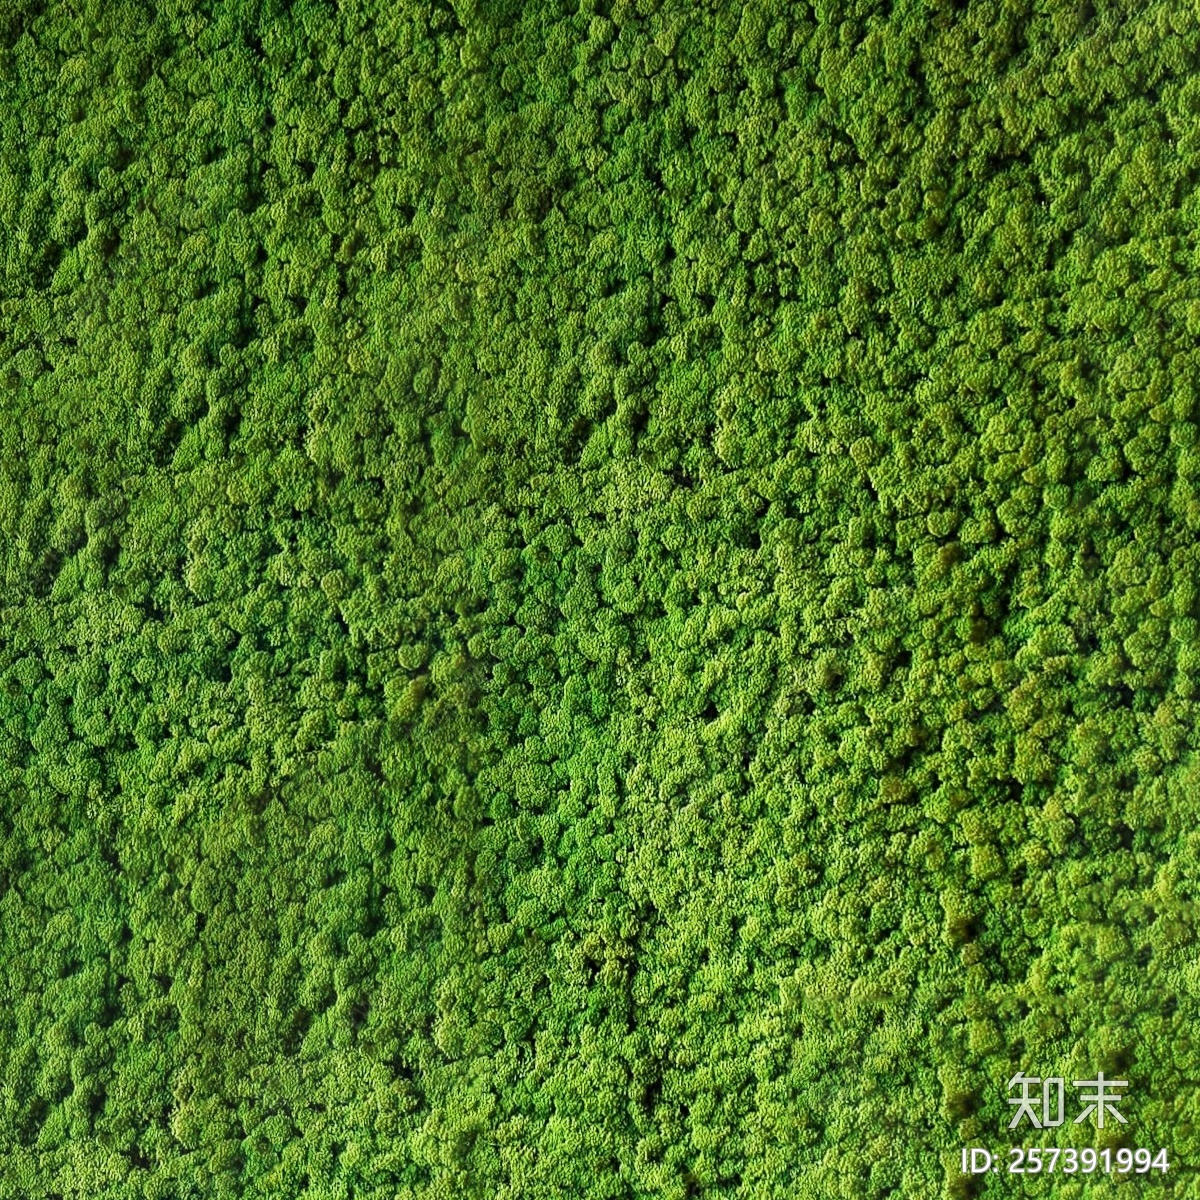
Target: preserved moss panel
x=598 y=600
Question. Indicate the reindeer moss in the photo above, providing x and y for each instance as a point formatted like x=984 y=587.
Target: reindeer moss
x=598 y=600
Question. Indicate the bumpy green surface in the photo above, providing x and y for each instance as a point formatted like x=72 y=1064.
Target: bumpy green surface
x=597 y=602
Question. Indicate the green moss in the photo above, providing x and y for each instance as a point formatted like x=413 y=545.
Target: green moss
x=598 y=600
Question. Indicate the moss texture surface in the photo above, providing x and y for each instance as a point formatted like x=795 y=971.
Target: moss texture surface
x=598 y=601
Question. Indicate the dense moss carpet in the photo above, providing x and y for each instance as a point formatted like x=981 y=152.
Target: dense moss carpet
x=599 y=600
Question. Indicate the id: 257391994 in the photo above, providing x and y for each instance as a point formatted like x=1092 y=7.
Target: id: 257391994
x=1036 y=1160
